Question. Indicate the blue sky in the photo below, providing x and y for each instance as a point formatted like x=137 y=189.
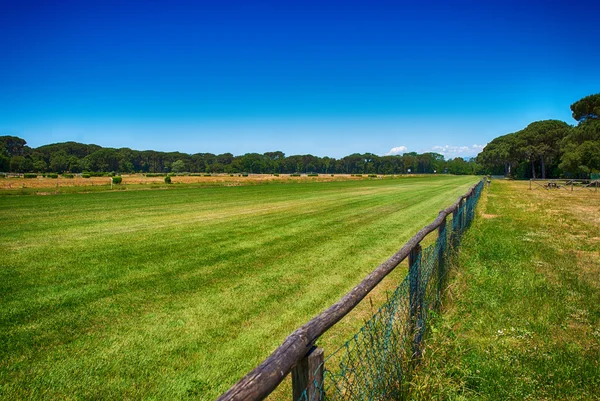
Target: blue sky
x=326 y=78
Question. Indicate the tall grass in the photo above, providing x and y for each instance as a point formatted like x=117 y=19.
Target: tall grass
x=522 y=319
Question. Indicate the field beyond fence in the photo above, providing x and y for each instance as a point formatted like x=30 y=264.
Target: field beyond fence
x=376 y=363
x=169 y=294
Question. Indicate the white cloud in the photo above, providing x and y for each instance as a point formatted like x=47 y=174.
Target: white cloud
x=450 y=152
x=398 y=150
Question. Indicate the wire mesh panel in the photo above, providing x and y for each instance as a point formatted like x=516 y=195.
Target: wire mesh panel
x=376 y=363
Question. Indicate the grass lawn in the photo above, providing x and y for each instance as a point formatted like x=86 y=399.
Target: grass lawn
x=522 y=318
x=168 y=294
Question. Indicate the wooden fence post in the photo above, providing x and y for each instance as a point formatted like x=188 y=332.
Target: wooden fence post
x=442 y=237
x=308 y=375
x=416 y=298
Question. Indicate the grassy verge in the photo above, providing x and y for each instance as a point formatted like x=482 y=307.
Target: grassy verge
x=170 y=294
x=522 y=318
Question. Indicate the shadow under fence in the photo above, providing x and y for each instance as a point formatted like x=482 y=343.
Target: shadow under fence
x=377 y=362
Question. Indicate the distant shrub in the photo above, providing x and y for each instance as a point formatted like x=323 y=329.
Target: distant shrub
x=195 y=175
x=111 y=174
x=207 y=175
x=295 y=175
x=68 y=176
x=276 y=175
x=245 y=175
x=94 y=174
x=313 y=175
x=231 y=175
x=117 y=179
x=85 y=176
x=168 y=179
x=372 y=175
x=52 y=175
x=332 y=175
x=29 y=175
x=356 y=175
x=2 y=175
x=155 y=174
x=170 y=174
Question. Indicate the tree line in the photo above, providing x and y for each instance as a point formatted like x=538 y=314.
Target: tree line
x=549 y=148
x=73 y=157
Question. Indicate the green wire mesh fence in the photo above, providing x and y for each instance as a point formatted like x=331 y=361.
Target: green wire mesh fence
x=376 y=363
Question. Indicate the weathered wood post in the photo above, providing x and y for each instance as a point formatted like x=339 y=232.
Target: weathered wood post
x=441 y=258
x=416 y=298
x=308 y=375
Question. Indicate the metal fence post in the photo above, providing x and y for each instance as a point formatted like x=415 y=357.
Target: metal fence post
x=456 y=225
x=416 y=298
x=308 y=375
x=441 y=258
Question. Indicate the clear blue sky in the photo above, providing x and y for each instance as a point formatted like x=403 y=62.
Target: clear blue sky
x=327 y=78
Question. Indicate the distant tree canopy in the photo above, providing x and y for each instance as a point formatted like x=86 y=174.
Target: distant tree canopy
x=586 y=108
x=549 y=148
x=75 y=157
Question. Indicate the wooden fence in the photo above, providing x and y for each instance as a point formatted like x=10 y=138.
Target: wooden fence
x=298 y=354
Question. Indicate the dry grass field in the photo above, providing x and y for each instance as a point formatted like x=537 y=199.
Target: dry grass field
x=140 y=179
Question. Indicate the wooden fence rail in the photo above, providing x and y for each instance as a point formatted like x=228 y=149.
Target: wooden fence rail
x=295 y=351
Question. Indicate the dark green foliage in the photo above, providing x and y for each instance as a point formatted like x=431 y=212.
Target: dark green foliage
x=68 y=176
x=295 y=175
x=29 y=175
x=207 y=175
x=276 y=175
x=2 y=175
x=76 y=157
x=587 y=108
x=95 y=173
x=85 y=175
x=244 y=175
x=549 y=148
x=372 y=175
x=117 y=179
x=52 y=175
x=13 y=146
x=168 y=179
x=313 y=175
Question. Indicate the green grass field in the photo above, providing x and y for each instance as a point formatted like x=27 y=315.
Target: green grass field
x=168 y=294
x=522 y=317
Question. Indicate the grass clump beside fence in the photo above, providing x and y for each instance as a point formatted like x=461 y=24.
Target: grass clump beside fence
x=29 y=175
x=523 y=321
